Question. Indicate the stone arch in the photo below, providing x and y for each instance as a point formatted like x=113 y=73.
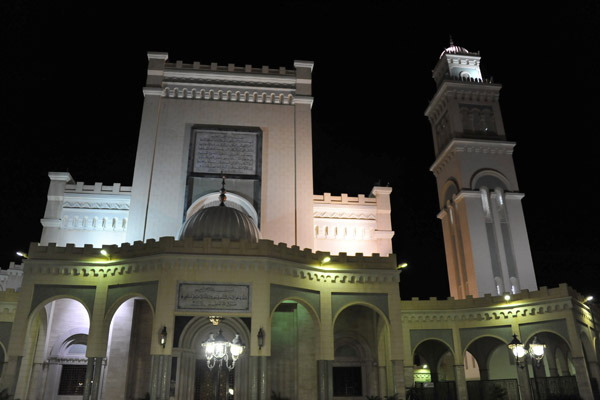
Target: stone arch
x=416 y=345
x=44 y=295
x=67 y=338
x=557 y=353
x=449 y=190
x=362 y=359
x=112 y=309
x=365 y=304
x=127 y=333
x=309 y=307
x=50 y=325
x=541 y=332
x=483 y=336
x=49 y=300
x=294 y=329
x=67 y=362
x=233 y=200
x=427 y=355
x=492 y=355
x=192 y=362
x=489 y=178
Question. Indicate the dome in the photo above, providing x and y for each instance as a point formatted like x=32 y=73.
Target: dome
x=220 y=222
x=454 y=50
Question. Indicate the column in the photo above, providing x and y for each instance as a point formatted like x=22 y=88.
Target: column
x=460 y=381
x=583 y=378
x=484 y=374
x=323 y=370
x=93 y=378
x=551 y=360
x=381 y=381
x=263 y=381
x=326 y=347
x=524 y=382
x=594 y=371
x=398 y=377
x=161 y=373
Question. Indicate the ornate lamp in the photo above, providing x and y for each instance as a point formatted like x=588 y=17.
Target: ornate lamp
x=517 y=347
x=217 y=349
x=536 y=350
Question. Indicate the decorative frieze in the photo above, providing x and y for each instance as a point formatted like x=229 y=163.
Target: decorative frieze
x=170 y=255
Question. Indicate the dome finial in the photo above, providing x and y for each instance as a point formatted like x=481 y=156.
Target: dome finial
x=451 y=41
x=222 y=196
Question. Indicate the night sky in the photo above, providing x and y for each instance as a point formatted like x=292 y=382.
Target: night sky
x=72 y=78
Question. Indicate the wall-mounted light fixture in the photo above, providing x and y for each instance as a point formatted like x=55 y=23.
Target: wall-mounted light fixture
x=162 y=339
x=105 y=254
x=587 y=299
x=22 y=254
x=261 y=338
x=325 y=260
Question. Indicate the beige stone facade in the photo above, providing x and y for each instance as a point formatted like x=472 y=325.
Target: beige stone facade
x=113 y=304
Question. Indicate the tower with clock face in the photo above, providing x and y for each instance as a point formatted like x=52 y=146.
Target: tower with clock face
x=486 y=243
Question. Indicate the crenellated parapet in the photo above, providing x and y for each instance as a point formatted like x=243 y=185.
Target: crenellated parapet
x=249 y=84
x=541 y=303
x=72 y=207
x=170 y=254
x=353 y=224
x=8 y=304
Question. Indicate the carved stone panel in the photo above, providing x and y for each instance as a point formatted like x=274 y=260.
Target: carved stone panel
x=213 y=297
x=231 y=153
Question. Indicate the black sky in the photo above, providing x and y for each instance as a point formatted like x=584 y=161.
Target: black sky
x=72 y=78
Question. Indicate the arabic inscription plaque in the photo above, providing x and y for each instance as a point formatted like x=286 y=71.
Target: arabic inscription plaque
x=227 y=152
x=213 y=297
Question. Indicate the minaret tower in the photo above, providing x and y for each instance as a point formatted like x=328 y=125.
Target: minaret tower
x=487 y=248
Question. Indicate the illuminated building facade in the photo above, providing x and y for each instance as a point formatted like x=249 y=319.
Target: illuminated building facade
x=115 y=299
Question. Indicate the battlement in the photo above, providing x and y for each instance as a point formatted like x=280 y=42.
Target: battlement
x=344 y=199
x=127 y=252
x=524 y=297
x=229 y=82
x=97 y=188
x=246 y=69
x=483 y=81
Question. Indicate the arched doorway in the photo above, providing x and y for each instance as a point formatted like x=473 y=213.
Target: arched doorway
x=362 y=363
x=496 y=373
x=433 y=366
x=54 y=360
x=555 y=374
x=194 y=380
x=294 y=349
x=128 y=360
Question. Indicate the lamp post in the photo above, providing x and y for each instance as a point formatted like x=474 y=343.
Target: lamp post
x=218 y=350
x=536 y=352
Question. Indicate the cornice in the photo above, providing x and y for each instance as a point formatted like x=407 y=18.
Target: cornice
x=88 y=205
x=457 y=146
x=215 y=77
x=244 y=94
x=342 y=214
x=492 y=312
x=205 y=264
x=168 y=255
x=464 y=90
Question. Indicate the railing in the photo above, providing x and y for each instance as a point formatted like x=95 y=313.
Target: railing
x=488 y=390
x=435 y=391
x=556 y=386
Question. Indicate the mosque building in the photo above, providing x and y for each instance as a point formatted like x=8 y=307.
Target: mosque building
x=221 y=236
